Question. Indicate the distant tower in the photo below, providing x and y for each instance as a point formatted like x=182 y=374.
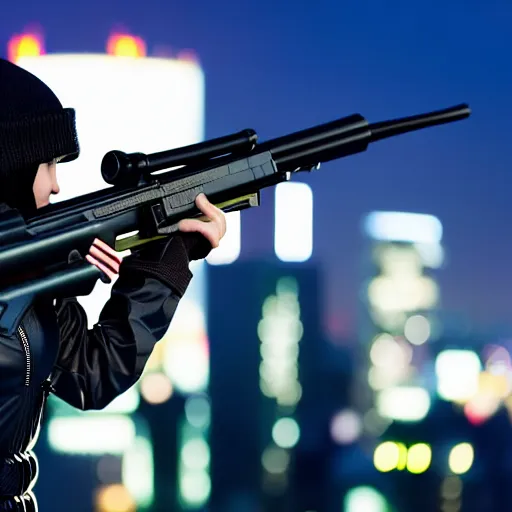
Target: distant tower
x=398 y=318
x=263 y=322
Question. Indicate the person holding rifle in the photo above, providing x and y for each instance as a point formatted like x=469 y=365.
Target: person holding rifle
x=52 y=350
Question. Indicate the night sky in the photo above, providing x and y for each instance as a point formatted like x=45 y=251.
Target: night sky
x=279 y=67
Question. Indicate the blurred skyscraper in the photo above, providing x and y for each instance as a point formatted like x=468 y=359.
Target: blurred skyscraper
x=264 y=327
x=399 y=322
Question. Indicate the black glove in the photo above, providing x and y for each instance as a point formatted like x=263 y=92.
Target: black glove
x=197 y=245
x=168 y=259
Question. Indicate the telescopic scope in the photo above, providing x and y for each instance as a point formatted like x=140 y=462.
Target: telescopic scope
x=118 y=168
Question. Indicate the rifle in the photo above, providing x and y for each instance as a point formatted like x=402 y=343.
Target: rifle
x=141 y=207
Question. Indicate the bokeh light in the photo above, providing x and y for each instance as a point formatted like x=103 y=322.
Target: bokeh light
x=115 y=498
x=286 y=432
x=461 y=458
x=417 y=329
x=346 y=426
x=419 y=457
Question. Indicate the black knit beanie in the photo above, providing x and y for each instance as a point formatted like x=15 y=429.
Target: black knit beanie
x=34 y=129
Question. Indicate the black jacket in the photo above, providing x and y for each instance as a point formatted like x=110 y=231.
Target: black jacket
x=55 y=352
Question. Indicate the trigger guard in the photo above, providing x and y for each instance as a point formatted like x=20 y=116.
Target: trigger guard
x=75 y=258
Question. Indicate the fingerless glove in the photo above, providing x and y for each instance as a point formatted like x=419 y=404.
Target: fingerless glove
x=168 y=260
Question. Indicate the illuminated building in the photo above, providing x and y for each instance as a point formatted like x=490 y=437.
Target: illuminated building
x=399 y=320
x=128 y=100
x=398 y=324
x=263 y=323
x=293 y=227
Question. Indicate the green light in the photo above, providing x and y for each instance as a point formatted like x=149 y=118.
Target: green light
x=365 y=499
x=138 y=471
x=275 y=460
x=195 y=488
x=286 y=432
x=197 y=411
x=287 y=285
x=193 y=467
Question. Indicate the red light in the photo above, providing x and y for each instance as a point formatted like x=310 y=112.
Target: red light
x=477 y=413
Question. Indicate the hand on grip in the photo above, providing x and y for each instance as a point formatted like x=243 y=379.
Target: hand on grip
x=212 y=225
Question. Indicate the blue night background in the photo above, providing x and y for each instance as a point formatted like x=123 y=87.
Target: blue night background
x=279 y=67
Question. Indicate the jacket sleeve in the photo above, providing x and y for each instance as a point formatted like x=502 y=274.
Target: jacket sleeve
x=95 y=366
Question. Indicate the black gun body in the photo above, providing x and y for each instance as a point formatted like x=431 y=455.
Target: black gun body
x=154 y=210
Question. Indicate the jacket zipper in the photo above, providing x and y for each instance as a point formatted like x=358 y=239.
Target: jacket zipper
x=28 y=360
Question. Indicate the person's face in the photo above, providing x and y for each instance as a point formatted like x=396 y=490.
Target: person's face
x=45 y=184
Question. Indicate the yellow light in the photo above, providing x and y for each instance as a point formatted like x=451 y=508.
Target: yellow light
x=115 y=498
x=395 y=293
x=386 y=456
x=418 y=458
x=402 y=457
x=124 y=45
x=495 y=384
x=461 y=458
x=25 y=45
